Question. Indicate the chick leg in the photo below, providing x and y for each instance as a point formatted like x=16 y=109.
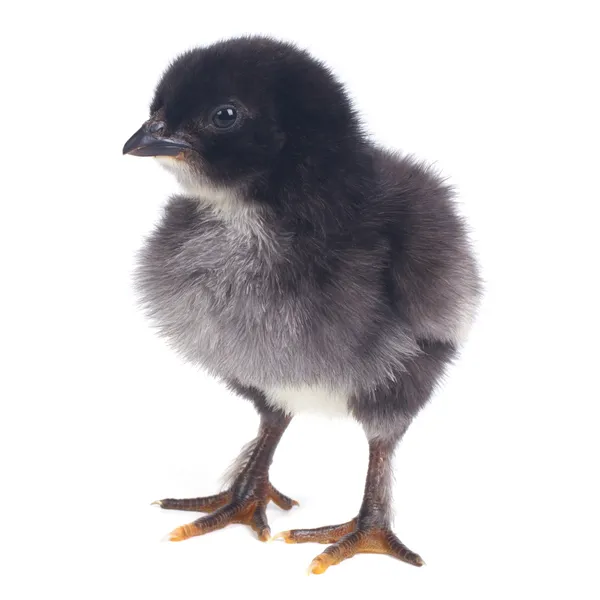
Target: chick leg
x=369 y=532
x=246 y=500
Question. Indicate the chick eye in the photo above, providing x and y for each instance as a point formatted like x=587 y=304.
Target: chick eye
x=224 y=117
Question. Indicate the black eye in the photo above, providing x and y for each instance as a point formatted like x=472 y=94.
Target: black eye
x=224 y=117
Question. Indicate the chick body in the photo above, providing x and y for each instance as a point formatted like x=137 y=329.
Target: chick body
x=303 y=265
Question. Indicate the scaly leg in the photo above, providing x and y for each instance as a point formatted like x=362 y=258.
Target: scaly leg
x=369 y=532
x=251 y=491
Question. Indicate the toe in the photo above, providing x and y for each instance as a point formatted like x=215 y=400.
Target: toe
x=321 y=535
x=203 y=504
x=260 y=525
x=183 y=533
x=397 y=549
x=284 y=502
x=320 y=564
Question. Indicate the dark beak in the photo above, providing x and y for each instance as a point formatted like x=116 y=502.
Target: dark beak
x=145 y=143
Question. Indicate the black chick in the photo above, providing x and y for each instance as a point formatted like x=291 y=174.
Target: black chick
x=304 y=266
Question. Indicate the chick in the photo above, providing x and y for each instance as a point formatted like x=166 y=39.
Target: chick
x=304 y=266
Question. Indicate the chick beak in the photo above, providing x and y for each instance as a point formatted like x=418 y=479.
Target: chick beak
x=148 y=141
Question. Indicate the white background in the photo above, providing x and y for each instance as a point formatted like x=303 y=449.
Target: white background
x=496 y=482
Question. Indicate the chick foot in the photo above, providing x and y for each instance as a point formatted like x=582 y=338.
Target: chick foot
x=228 y=507
x=347 y=540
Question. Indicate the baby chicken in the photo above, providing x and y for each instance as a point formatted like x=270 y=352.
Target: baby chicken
x=304 y=266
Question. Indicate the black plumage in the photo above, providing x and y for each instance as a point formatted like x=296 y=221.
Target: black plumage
x=303 y=265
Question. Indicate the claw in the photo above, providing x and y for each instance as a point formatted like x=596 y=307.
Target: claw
x=156 y=502
x=282 y=535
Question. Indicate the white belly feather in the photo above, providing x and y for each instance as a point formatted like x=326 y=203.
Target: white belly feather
x=308 y=399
